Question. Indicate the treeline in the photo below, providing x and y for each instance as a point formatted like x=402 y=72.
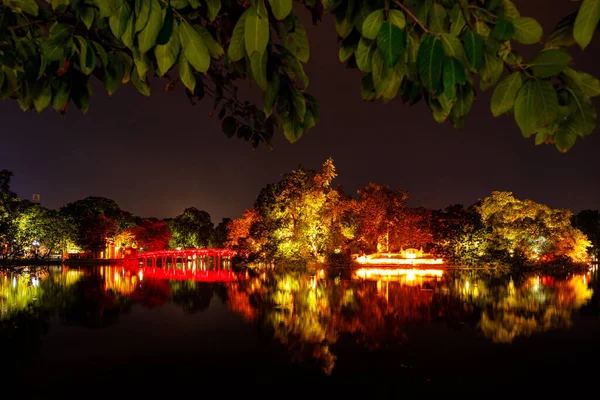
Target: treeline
x=29 y=230
x=303 y=218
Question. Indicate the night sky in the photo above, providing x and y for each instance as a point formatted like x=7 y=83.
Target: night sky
x=156 y=156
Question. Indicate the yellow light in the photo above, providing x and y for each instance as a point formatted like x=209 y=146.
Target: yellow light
x=368 y=273
x=399 y=261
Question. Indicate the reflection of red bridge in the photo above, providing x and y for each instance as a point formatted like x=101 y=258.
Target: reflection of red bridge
x=186 y=274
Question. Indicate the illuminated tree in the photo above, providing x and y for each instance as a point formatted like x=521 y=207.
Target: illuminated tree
x=458 y=235
x=221 y=232
x=150 y=234
x=192 y=229
x=300 y=218
x=9 y=210
x=438 y=51
x=530 y=228
x=95 y=220
x=588 y=221
x=381 y=213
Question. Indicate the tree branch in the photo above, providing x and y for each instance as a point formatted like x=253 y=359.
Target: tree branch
x=410 y=14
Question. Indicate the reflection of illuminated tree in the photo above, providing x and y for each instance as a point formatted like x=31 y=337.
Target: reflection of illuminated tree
x=308 y=315
x=192 y=296
x=533 y=307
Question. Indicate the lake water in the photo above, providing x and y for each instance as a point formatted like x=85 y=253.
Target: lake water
x=112 y=331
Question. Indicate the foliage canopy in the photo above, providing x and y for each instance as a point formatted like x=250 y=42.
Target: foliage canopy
x=436 y=51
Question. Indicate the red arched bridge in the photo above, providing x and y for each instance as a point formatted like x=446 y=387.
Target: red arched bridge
x=187 y=259
x=209 y=265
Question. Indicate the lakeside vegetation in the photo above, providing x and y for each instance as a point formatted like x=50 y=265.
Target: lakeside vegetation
x=303 y=220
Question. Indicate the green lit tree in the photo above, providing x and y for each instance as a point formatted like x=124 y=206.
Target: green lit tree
x=440 y=52
x=192 y=229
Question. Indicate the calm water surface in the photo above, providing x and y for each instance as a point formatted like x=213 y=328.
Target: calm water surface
x=112 y=331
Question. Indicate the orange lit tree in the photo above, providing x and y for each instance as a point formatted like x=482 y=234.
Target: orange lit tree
x=440 y=52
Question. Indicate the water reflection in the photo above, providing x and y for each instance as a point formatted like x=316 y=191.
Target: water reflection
x=308 y=315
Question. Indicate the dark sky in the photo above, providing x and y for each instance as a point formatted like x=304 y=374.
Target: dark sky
x=156 y=156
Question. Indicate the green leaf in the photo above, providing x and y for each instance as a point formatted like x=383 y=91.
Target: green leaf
x=586 y=22
x=107 y=7
x=118 y=21
x=229 y=126
x=549 y=63
x=491 y=70
x=392 y=88
x=179 y=4
x=166 y=31
x=281 y=8
x=564 y=139
x=503 y=98
x=299 y=105
x=438 y=18
x=236 y=50
x=373 y=23
x=457 y=20
x=474 y=49
x=362 y=14
x=214 y=6
x=430 y=61
x=348 y=46
x=86 y=14
x=186 y=74
x=167 y=54
x=141 y=64
x=113 y=73
x=87 y=56
x=397 y=18
x=100 y=52
x=504 y=29
x=43 y=98
x=143 y=15
x=80 y=94
x=256 y=31
x=292 y=131
x=464 y=101
x=540 y=138
x=391 y=42
x=536 y=106
x=510 y=10
x=583 y=114
x=482 y=29
x=141 y=84
x=527 y=30
x=382 y=74
x=60 y=94
x=296 y=41
x=270 y=96
x=562 y=35
x=129 y=35
x=589 y=84
x=258 y=64
x=53 y=48
x=453 y=74
x=147 y=36
x=364 y=54
x=28 y=6
x=194 y=47
x=454 y=48
x=214 y=49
